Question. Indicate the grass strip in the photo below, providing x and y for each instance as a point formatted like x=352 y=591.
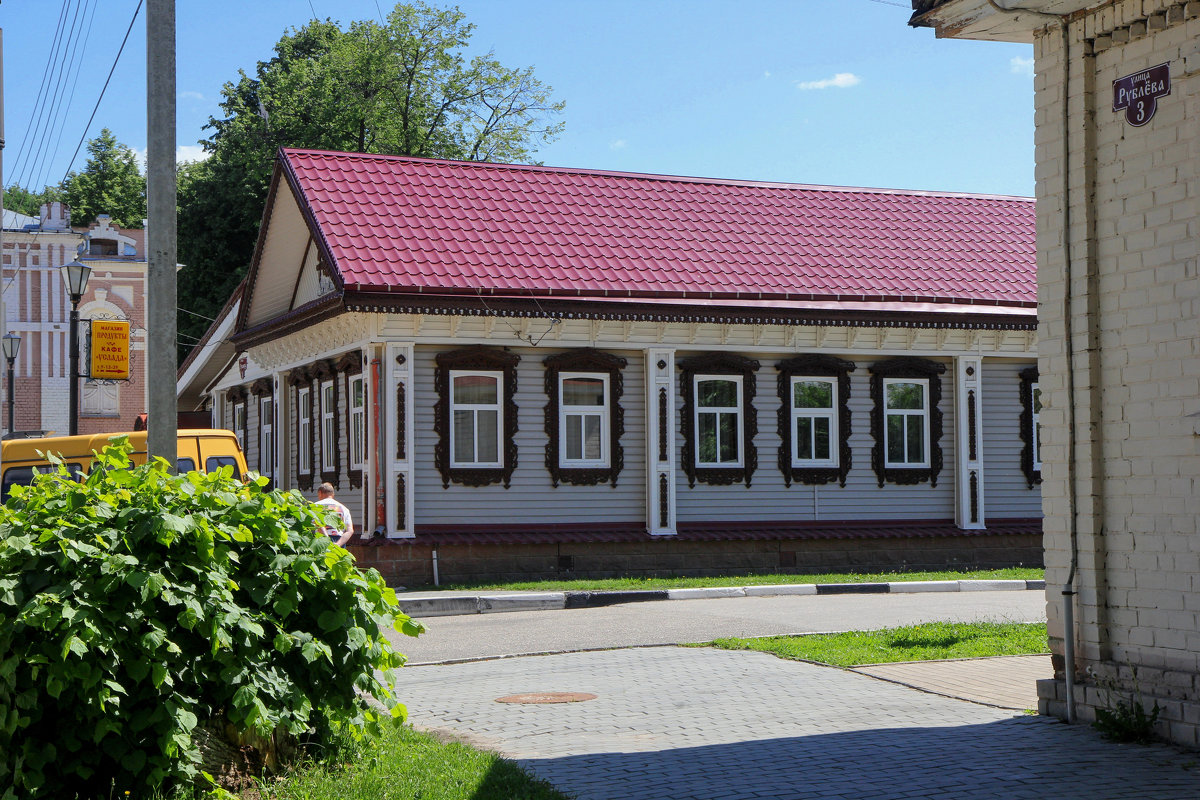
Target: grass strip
x=404 y=764
x=928 y=641
x=676 y=582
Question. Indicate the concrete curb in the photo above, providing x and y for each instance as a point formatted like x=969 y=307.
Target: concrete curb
x=435 y=605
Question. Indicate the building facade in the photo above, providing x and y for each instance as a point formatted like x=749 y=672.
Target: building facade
x=518 y=371
x=1116 y=103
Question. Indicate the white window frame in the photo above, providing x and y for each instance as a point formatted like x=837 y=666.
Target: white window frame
x=814 y=414
x=922 y=412
x=603 y=411
x=239 y=424
x=1035 y=418
x=266 y=435
x=304 y=437
x=328 y=425
x=356 y=436
x=738 y=410
x=498 y=407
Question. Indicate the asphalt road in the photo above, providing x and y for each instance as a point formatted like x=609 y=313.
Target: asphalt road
x=476 y=636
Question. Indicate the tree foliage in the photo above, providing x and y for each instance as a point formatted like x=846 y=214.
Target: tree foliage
x=27 y=202
x=401 y=88
x=111 y=183
x=139 y=610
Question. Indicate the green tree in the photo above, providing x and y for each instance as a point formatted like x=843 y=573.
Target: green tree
x=401 y=88
x=111 y=183
x=24 y=201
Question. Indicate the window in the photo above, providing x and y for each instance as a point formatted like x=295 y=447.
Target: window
x=304 y=421
x=475 y=417
x=214 y=463
x=100 y=399
x=814 y=422
x=906 y=422
x=584 y=418
x=328 y=428
x=718 y=419
x=358 y=417
x=477 y=414
x=266 y=441
x=1037 y=430
x=906 y=425
x=1031 y=435
x=183 y=465
x=239 y=424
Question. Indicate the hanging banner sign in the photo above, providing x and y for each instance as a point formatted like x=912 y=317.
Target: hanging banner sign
x=110 y=349
x=1137 y=94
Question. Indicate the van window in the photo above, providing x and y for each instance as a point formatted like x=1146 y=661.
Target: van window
x=184 y=465
x=214 y=463
x=23 y=476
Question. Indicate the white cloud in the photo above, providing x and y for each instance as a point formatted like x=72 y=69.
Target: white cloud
x=186 y=152
x=191 y=95
x=766 y=73
x=617 y=144
x=842 y=80
x=1021 y=66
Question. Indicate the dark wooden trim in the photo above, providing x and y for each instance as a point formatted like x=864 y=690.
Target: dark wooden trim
x=350 y=366
x=298 y=380
x=262 y=386
x=1029 y=377
x=323 y=371
x=718 y=364
x=237 y=394
x=907 y=367
x=401 y=421
x=585 y=360
x=401 y=502
x=487 y=359
x=817 y=366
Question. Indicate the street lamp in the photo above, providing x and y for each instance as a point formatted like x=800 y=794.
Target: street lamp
x=12 y=346
x=76 y=275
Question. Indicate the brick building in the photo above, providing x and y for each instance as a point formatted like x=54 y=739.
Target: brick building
x=38 y=307
x=1116 y=103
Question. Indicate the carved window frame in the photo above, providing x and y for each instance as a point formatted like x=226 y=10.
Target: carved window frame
x=918 y=369
x=1031 y=463
x=237 y=398
x=718 y=365
x=822 y=367
x=351 y=368
x=263 y=390
x=324 y=373
x=476 y=359
x=301 y=383
x=585 y=361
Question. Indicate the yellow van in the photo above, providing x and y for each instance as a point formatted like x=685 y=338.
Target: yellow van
x=202 y=449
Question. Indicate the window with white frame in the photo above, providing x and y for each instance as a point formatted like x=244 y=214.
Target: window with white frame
x=304 y=421
x=814 y=422
x=718 y=420
x=583 y=419
x=328 y=428
x=266 y=441
x=358 y=420
x=906 y=422
x=239 y=424
x=1036 y=398
x=477 y=418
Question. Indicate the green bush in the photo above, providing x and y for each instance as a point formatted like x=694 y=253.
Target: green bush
x=138 y=607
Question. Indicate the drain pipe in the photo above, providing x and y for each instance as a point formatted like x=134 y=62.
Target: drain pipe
x=435 y=572
x=1068 y=589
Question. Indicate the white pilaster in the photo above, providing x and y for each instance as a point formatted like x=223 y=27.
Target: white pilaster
x=968 y=442
x=660 y=441
x=397 y=408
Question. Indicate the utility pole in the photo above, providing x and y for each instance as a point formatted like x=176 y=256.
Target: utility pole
x=162 y=423
x=3 y=310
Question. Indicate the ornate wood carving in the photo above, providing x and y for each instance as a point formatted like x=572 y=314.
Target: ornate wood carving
x=822 y=366
x=481 y=358
x=907 y=367
x=300 y=379
x=401 y=502
x=237 y=394
x=1033 y=476
x=401 y=421
x=974 y=496
x=718 y=364
x=322 y=371
x=351 y=365
x=972 y=448
x=261 y=387
x=664 y=501
x=663 y=430
x=585 y=360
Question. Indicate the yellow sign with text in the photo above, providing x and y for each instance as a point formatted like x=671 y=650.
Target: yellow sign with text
x=110 y=349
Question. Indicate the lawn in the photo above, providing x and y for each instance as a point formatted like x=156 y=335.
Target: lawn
x=668 y=582
x=925 y=642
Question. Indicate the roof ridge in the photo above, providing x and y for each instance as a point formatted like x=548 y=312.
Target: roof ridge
x=653 y=176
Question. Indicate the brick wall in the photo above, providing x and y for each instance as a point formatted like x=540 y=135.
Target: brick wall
x=1135 y=327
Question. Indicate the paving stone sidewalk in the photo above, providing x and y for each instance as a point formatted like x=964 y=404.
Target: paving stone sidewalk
x=674 y=723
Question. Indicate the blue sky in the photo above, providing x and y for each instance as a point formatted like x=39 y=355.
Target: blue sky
x=833 y=92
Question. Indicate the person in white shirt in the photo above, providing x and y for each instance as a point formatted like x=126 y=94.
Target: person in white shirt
x=341 y=532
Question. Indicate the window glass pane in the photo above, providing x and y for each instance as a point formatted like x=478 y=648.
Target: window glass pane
x=916 y=438
x=716 y=394
x=804 y=449
x=184 y=465
x=487 y=421
x=728 y=437
x=1037 y=400
x=356 y=393
x=821 y=445
x=214 y=463
x=477 y=389
x=905 y=395
x=583 y=392
x=574 y=443
x=895 y=438
x=464 y=436
x=706 y=448
x=813 y=394
x=591 y=444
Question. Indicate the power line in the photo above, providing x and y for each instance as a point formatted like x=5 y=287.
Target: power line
x=66 y=64
x=21 y=162
x=78 y=62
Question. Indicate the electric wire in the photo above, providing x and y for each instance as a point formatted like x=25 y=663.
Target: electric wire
x=78 y=62
x=23 y=153
x=58 y=107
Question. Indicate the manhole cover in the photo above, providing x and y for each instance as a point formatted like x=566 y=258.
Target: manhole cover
x=547 y=697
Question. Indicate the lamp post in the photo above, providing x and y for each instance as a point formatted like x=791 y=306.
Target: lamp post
x=76 y=275
x=12 y=346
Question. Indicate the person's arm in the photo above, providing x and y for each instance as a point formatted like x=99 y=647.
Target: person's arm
x=348 y=533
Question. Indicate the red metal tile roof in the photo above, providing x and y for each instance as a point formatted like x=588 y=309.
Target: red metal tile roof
x=399 y=224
